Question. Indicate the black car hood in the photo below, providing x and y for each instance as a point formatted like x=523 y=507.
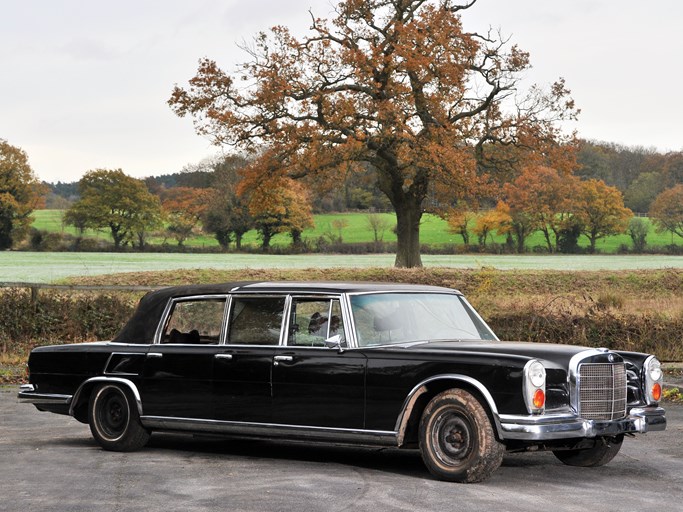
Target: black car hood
x=558 y=354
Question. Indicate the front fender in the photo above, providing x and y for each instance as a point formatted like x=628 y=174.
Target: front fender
x=451 y=380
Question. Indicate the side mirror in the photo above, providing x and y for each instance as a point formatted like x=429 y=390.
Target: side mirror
x=335 y=342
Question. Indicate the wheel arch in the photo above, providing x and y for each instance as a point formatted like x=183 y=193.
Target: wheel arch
x=79 y=404
x=422 y=393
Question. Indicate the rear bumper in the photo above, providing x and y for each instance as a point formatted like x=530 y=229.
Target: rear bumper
x=562 y=426
x=28 y=394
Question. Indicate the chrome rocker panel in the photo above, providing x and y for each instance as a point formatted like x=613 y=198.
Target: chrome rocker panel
x=268 y=430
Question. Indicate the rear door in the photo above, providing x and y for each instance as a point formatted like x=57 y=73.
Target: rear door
x=313 y=384
x=242 y=368
x=178 y=369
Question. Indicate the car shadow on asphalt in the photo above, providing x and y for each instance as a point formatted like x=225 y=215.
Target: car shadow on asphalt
x=401 y=462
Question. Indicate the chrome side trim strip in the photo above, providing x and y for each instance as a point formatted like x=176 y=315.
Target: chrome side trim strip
x=299 y=432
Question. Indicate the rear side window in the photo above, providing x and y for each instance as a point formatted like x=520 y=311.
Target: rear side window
x=195 y=321
x=256 y=320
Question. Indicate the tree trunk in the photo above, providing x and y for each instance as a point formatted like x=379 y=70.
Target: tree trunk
x=408 y=216
x=407 y=201
x=266 y=235
x=520 y=235
x=549 y=243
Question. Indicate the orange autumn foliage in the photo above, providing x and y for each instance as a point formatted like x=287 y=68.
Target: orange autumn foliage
x=401 y=88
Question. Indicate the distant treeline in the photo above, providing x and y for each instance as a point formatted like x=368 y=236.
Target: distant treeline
x=639 y=173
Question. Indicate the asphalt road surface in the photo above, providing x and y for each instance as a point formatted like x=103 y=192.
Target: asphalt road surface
x=51 y=463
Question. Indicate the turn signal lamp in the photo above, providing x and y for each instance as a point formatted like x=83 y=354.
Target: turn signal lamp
x=657 y=392
x=539 y=399
x=534 y=386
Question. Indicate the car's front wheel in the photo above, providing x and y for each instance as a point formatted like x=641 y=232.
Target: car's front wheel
x=114 y=420
x=599 y=455
x=457 y=441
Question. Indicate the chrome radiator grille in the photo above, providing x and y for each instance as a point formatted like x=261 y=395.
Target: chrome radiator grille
x=602 y=391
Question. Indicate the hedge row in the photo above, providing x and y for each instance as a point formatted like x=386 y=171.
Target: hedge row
x=59 y=317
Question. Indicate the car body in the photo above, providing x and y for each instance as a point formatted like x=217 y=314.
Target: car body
x=398 y=365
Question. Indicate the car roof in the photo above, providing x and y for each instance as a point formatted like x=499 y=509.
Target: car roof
x=141 y=327
x=264 y=287
x=336 y=287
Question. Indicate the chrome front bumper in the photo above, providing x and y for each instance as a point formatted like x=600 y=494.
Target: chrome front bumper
x=562 y=426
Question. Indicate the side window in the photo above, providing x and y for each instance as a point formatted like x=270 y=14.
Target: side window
x=312 y=321
x=195 y=322
x=256 y=321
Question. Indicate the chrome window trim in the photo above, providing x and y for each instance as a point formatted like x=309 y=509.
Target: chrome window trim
x=226 y=318
x=404 y=291
x=349 y=322
x=349 y=312
x=322 y=296
x=284 y=327
x=473 y=310
x=253 y=295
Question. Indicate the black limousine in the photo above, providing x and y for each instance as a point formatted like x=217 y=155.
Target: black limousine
x=397 y=365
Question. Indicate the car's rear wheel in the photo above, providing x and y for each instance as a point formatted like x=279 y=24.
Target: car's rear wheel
x=457 y=441
x=599 y=455
x=114 y=420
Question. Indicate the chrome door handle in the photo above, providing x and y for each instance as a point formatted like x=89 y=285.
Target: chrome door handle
x=227 y=357
x=282 y=359
x=155 y=354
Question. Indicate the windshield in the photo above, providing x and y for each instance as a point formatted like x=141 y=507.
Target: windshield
x=392 y=318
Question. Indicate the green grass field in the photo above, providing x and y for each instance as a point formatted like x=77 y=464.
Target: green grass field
x=434 y=232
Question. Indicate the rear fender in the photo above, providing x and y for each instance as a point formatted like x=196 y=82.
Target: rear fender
x=79 y=403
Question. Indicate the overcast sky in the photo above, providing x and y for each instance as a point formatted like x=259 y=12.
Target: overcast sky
x=84 y=84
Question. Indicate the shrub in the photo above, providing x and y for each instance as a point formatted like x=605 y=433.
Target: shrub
x=56 y=317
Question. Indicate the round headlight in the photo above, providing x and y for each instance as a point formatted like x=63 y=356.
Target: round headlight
x=655 y=369
x=537 y=374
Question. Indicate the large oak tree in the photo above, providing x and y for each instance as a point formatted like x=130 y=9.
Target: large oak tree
x=396 y=85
